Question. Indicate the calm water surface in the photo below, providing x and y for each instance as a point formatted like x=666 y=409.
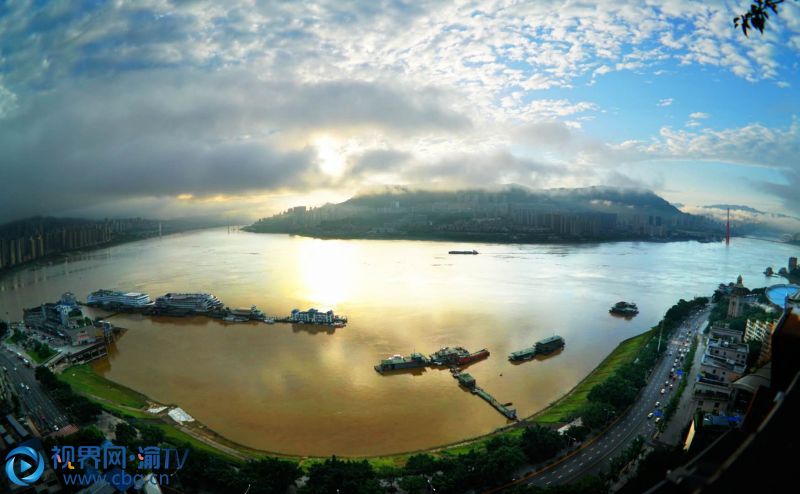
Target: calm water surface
x=306 y=391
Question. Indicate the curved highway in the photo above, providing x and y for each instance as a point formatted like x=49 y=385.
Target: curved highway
x=594 y=457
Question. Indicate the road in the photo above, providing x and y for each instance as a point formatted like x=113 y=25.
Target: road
x=34 y=402
x=596 y=455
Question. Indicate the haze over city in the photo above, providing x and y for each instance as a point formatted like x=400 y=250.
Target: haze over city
x=167 y=110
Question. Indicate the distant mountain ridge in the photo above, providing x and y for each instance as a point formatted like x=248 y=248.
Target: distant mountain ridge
x=507 y=214
x=586 y=199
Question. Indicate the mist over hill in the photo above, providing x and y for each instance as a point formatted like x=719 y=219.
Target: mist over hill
x=510 y=213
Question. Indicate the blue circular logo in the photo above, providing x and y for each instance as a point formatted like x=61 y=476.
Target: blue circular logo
x=26 y=462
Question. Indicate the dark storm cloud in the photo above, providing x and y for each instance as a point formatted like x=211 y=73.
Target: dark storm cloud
x=153 y=134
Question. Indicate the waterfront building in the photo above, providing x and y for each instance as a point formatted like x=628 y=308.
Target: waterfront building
x=723 y=363
x=190 y=302
x=792 y=264
x=114 y=298
x=761 y=331
x=312 y=316
x=732 y=352
x=722 y=331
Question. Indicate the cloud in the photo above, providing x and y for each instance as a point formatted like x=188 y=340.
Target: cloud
x=699 y=115
x=105 y=104
x=154 y=134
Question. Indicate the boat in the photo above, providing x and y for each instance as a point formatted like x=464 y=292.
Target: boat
x=524 y=354
x=549 y=345
x=398 y=362
x=468 y=252
x=457 y=356
x=541 y=347
x=624 y=308
x=473 y=357
x=769 y=271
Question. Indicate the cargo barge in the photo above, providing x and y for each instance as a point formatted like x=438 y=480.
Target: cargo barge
x=398 y=362
x=542 y=347
x=464 y=252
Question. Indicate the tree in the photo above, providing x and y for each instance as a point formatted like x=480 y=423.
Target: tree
x=268 y=475
x=346 y=477
x=421 y=463
x=616 y=391
x=596 y=415
x=757 y=16
x=500 y=463
x=126 y=434
x=46 y=377
x=541 y=443
x=414 y=484
x=151 y=435
x=578 y=432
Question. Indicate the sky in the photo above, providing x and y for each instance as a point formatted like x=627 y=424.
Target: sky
x=241 y=109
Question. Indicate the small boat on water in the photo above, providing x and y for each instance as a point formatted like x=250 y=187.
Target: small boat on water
x=466 y=252
x=624 y=308
x=541 y=347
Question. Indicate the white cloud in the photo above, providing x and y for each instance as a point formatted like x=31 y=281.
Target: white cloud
x=665 y=102
x=699 y=115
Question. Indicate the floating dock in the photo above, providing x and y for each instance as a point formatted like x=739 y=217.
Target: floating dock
x=509 y=413
x=468 y=382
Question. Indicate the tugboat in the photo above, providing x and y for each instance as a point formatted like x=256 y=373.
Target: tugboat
x=624 y=308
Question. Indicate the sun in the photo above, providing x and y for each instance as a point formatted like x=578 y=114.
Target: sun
x=331 y=160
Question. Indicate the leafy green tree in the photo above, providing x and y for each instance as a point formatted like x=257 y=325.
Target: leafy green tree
x=421 y=463
x=414 y=484
x=615 y=391
x=541 y=443
x=578 y=432
x=126 y=434
x=757 y=16
x=596 y=415
x=346 y=477
x=151 y=435
x=268 y=475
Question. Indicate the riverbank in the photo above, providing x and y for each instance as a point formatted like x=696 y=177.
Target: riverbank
x=123 y=401
x=490 y=238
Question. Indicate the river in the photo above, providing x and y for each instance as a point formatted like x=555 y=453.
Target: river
x=307 y=391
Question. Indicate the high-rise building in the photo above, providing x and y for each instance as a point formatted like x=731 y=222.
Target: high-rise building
x=792 y=264
x=761 y=331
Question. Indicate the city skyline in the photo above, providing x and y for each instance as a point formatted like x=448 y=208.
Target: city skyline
x=172 y=110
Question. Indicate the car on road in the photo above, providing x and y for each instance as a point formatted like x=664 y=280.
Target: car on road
x=649 y=415
x=663 y=391
x=658 y=404
x=670 y=385
x=55 y=428
x=658 y=419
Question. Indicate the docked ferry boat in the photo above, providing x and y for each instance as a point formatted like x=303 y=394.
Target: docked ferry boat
x=398 y=362
x=541 y=347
